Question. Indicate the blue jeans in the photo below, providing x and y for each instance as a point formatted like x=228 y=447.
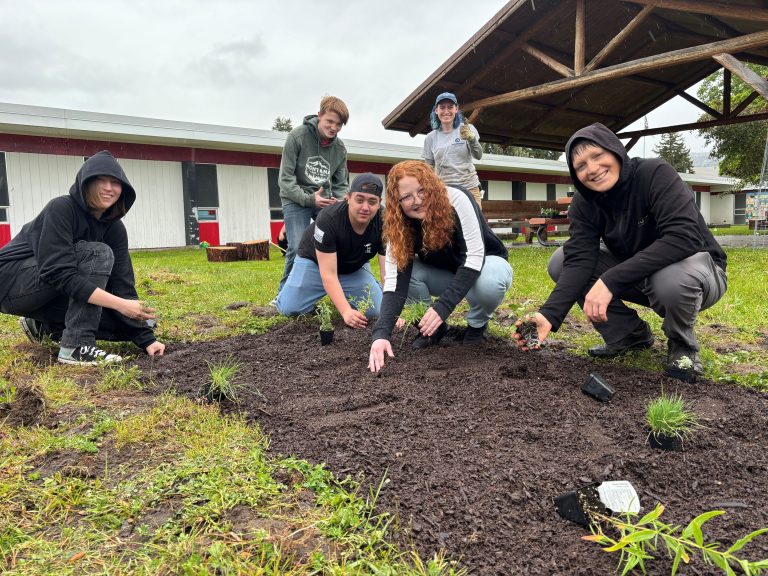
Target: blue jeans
x=305 y=287
x=484 y=296
x=76 y=323
x=297 y=219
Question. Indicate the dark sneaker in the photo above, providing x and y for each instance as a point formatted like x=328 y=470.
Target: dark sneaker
x=426 y=341
x=88 y=356
x=474 y=336
x=678 y=353
x=33 y=329
x=642 y=337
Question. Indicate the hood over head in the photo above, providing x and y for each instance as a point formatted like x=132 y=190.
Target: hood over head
x=605 y=138
x=101 y=164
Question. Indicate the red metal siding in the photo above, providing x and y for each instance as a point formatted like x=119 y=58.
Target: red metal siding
x=274 y=229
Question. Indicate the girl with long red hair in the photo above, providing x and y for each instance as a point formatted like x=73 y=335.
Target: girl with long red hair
x=438 y=244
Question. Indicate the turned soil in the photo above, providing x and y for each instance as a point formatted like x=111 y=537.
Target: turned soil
x=475 y=442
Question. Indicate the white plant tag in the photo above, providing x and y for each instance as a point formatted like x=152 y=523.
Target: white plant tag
x=619 y=496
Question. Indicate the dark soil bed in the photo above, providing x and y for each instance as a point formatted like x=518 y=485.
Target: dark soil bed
x=476 y=442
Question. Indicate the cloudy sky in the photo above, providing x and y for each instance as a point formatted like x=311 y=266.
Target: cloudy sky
x=241 y=62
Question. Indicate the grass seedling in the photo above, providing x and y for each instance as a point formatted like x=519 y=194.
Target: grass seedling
x=121 y=377
x=222 y=384
x=324 y=314
x=412 y=314
x=670 y=415
x=638 y=539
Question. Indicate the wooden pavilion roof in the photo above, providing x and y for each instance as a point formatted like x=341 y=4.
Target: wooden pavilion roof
x=541 y=69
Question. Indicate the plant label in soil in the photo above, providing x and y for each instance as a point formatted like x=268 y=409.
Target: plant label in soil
x=596 y=387
x=619 y=496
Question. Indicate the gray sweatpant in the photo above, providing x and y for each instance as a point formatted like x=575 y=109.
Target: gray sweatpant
x=677 y=293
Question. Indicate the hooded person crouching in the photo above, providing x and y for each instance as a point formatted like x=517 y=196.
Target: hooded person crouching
x=69 y=275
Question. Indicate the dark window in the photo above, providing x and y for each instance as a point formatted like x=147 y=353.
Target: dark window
x=206 y=191
x=4 y=201
x=275 y=205
x=518 y=190
x=551 y=192
x=3 y=216
x=484 y=188
x=698 y=199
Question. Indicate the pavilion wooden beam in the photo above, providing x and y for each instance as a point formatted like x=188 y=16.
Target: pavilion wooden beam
x=548 y=60
x=726 y=91
x=674 y=58
x=694 y=125
x=579 y=49
x=744 y=103
x=629 y=145
x=725 y=9
x=749 y=76
x=619 y=38
x=699 y=104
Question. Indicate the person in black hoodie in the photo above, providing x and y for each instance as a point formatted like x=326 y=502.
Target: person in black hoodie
x=68 y=272
x=636 y=236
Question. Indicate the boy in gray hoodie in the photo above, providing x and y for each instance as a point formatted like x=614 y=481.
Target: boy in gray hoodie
x=313 y=172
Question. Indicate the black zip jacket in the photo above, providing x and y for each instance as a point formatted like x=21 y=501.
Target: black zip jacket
x=648 y=220
x=51 y=236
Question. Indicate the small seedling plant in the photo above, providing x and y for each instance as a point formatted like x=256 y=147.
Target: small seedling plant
x=222 y=384
x=684 y=363
x=364 y=304
x=324 y=315
x=412 y=315
x=669 y=415
x=637 y=541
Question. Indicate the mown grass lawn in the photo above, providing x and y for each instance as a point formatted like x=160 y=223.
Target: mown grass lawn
x=167 y=479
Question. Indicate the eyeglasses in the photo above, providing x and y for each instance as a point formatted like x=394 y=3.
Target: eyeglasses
x=410 y=198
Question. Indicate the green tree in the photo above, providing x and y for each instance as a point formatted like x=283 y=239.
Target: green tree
x=282 y=124
x=738 y=147
x=520 y=151
x=672 y=149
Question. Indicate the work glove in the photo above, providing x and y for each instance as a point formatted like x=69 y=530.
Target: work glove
x=466 y=132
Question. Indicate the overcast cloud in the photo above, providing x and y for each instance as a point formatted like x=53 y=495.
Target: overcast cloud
x=239 y=62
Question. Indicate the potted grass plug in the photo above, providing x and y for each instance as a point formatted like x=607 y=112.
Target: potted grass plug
x=529 y=333
x=682 y=369
x=412 y=315
x=222 y=384
x=671 y=422
x=323 y=313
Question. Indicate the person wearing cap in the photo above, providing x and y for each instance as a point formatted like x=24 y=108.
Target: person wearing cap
x=68 y=273
x=313 y=172
x=636 y=236
x=452 y=145
x=334 y=257
x=438 y=244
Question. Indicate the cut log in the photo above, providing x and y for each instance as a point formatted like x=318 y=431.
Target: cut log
x=221 y=253
x=255 y=250
x=239 y=246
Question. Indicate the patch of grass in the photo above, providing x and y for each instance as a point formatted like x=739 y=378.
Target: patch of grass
x=670 y=415
x=222 y=384
x=121 y=377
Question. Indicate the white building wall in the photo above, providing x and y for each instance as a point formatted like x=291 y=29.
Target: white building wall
x=705 y=207
x=33 y=180
x=535 y=191
x=156 y=219
x=721 y=209
x=561 y=190
x=499 y=190
x=243 y=203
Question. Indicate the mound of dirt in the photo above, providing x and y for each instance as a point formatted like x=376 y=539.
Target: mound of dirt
x=26 y=409
x=477 y=442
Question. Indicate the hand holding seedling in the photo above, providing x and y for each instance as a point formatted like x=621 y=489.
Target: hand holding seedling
x=430 y=322
x=376 y=357
x=354 y=319
x=596 y=302
x=543 y=328
x=321 y=201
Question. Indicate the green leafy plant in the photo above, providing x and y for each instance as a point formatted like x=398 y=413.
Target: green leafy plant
x=413 y=312
x=670 y=415
x=204 y=245
x=324 y=314
x=637 y=540
x=549 y=212
x=684 y=363
x=121 y=377
x=222 y=384
x=364 y=304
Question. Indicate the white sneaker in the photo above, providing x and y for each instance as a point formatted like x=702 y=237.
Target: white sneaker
x=88 y=356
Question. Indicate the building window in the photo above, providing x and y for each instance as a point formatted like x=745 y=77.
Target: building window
x=206 y=191
x=551 y=192
x=4 y=201
x=518 y=190
x=484 y=188
x=275 y=205
x=207 y=215
x=3 y=215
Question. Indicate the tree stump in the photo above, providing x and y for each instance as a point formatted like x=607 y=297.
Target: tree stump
x=255 y=250
x=239 y=246
x=221 y=253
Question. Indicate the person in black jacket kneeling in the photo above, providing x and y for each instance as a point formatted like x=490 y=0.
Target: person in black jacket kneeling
x=636 y=236
x=68 y=272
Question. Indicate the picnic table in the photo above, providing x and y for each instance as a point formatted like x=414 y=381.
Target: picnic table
x=542 y=226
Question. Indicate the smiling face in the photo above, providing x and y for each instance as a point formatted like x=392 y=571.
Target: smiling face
x=362 y=208
x=328 y=124
x=410 y=195
x=446 y=112
x=101 y=193
x=595 y=167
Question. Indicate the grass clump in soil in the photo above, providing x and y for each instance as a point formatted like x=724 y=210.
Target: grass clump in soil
x=222 y=384
x=669 y=415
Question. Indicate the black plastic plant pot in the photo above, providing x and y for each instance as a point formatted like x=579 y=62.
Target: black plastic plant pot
x=212 y=395
x=598 y=388
x=326 y=337
x=529 y=333
x=684 y=374
x=578 y=504
x=672 y=443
